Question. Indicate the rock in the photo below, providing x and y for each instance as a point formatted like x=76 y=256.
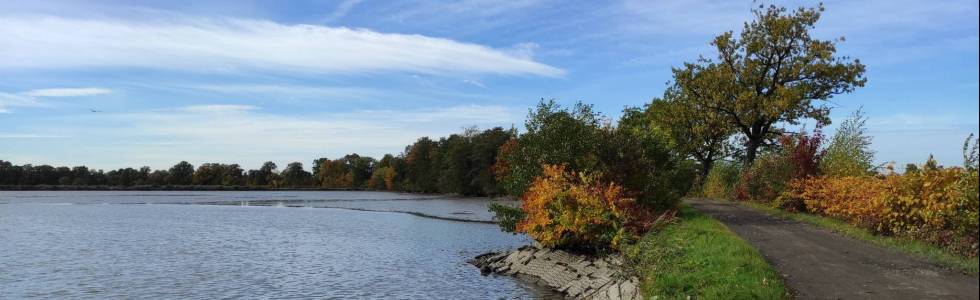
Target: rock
x=576 y=276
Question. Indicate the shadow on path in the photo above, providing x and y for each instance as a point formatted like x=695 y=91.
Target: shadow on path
x=818 y=264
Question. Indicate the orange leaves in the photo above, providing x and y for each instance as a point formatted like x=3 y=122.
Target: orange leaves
x=932 y=205
x=857 y=200
x=579 y=210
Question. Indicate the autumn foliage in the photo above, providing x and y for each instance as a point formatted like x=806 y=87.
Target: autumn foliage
x=565 y=209
x=935 y=204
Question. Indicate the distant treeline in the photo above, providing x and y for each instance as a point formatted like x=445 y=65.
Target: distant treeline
x=461 y=163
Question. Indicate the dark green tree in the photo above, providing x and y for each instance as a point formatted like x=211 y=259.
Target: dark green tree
x=181 y=174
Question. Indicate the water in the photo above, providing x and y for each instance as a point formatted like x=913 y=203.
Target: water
x=101 y=245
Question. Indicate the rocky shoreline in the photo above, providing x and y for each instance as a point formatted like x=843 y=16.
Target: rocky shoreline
x=575 y=276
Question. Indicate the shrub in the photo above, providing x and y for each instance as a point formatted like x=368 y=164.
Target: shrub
x=856 y=200
x=849 y=152
x=765 y=179
x=935 y=204
x=721 y=180
x=641 y=162
x=554 y=135
x=798 y=157
x=931 y=205
x=507 y=216
x=573 y=210
x=633 y=156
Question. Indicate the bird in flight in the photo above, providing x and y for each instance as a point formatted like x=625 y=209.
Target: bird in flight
x=94 y=110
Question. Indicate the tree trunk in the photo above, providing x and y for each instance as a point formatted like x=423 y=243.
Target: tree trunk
x=751 y=149
x=706 y=165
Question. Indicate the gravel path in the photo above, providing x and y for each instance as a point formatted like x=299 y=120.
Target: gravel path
x=818 y=264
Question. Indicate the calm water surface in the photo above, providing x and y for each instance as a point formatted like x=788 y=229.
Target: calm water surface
x=166 y=245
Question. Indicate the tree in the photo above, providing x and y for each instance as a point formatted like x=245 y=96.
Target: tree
x=181 y=174
x=555 y=136
x=694 y=130
x=772 y=74
x=849 y=152
x=264 y=176
x=422 y=165
x=294 y=175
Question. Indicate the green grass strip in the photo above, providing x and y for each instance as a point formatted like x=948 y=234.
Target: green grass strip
x=920 y=249
x=700 y=258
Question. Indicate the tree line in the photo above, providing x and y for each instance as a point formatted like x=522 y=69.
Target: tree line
x=460 y=163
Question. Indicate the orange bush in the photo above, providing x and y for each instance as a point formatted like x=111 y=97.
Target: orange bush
x=857 y=200
x=568 y=210
x=931 y=205
x=936 y=204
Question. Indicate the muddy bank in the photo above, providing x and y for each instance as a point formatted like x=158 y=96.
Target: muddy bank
x=575 y=276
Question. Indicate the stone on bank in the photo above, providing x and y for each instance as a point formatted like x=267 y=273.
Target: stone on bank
x=575 y=276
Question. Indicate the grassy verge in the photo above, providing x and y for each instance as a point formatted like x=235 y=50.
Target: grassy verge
x=915 y=248
x=698 y=257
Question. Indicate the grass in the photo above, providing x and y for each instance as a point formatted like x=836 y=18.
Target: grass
x=699 y=258
x=923 y=250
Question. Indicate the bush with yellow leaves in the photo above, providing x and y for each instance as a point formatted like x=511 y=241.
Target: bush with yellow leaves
x=581 y=211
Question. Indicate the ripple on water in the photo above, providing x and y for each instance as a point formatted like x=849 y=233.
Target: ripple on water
x=197 y=251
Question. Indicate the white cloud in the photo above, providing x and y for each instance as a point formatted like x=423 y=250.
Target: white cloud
x=67 y=92
x=474 y=82
x=8 y=100
x=218 y=108
x=228 y=44
x=343 y=92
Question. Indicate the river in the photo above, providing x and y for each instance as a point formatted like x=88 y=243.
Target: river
x=259 y=244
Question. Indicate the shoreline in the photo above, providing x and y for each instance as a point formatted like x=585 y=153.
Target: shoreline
x=175 y=188
x=290 y=205
x=573 y=275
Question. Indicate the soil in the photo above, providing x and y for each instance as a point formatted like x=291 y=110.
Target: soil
x=819 y=264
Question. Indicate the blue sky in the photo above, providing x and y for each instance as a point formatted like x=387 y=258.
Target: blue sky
x=250 y=81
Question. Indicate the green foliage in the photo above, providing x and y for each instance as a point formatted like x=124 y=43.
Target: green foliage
x=219 y=174
x=771 y=74
x=554 y=135
x=694 y=130
x=635 y=155
x=264 y=176
x=640 y=159
x=697 y=257
x=294 y=175
x=721 y=181
x=181 y=174
x=467 y=161
x=849 y=152
x=506 y=216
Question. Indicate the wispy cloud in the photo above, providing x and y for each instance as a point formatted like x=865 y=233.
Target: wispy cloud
x=343 y=8
x=341 y=92
x=475 y=83
x=67 y=92
x=8 y=100
x=218 y=108
x=247 y=135
x=229 y=44
x=28 y=136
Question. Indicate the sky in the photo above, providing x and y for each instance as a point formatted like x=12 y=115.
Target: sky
x=112 y=84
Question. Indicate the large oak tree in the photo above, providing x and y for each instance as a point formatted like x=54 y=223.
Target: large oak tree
x=774 y=73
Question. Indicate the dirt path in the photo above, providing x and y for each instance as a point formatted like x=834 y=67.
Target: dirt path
x=818 y=264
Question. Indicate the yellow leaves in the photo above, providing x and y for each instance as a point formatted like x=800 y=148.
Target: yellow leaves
x=933 y=204
x=568 y=209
